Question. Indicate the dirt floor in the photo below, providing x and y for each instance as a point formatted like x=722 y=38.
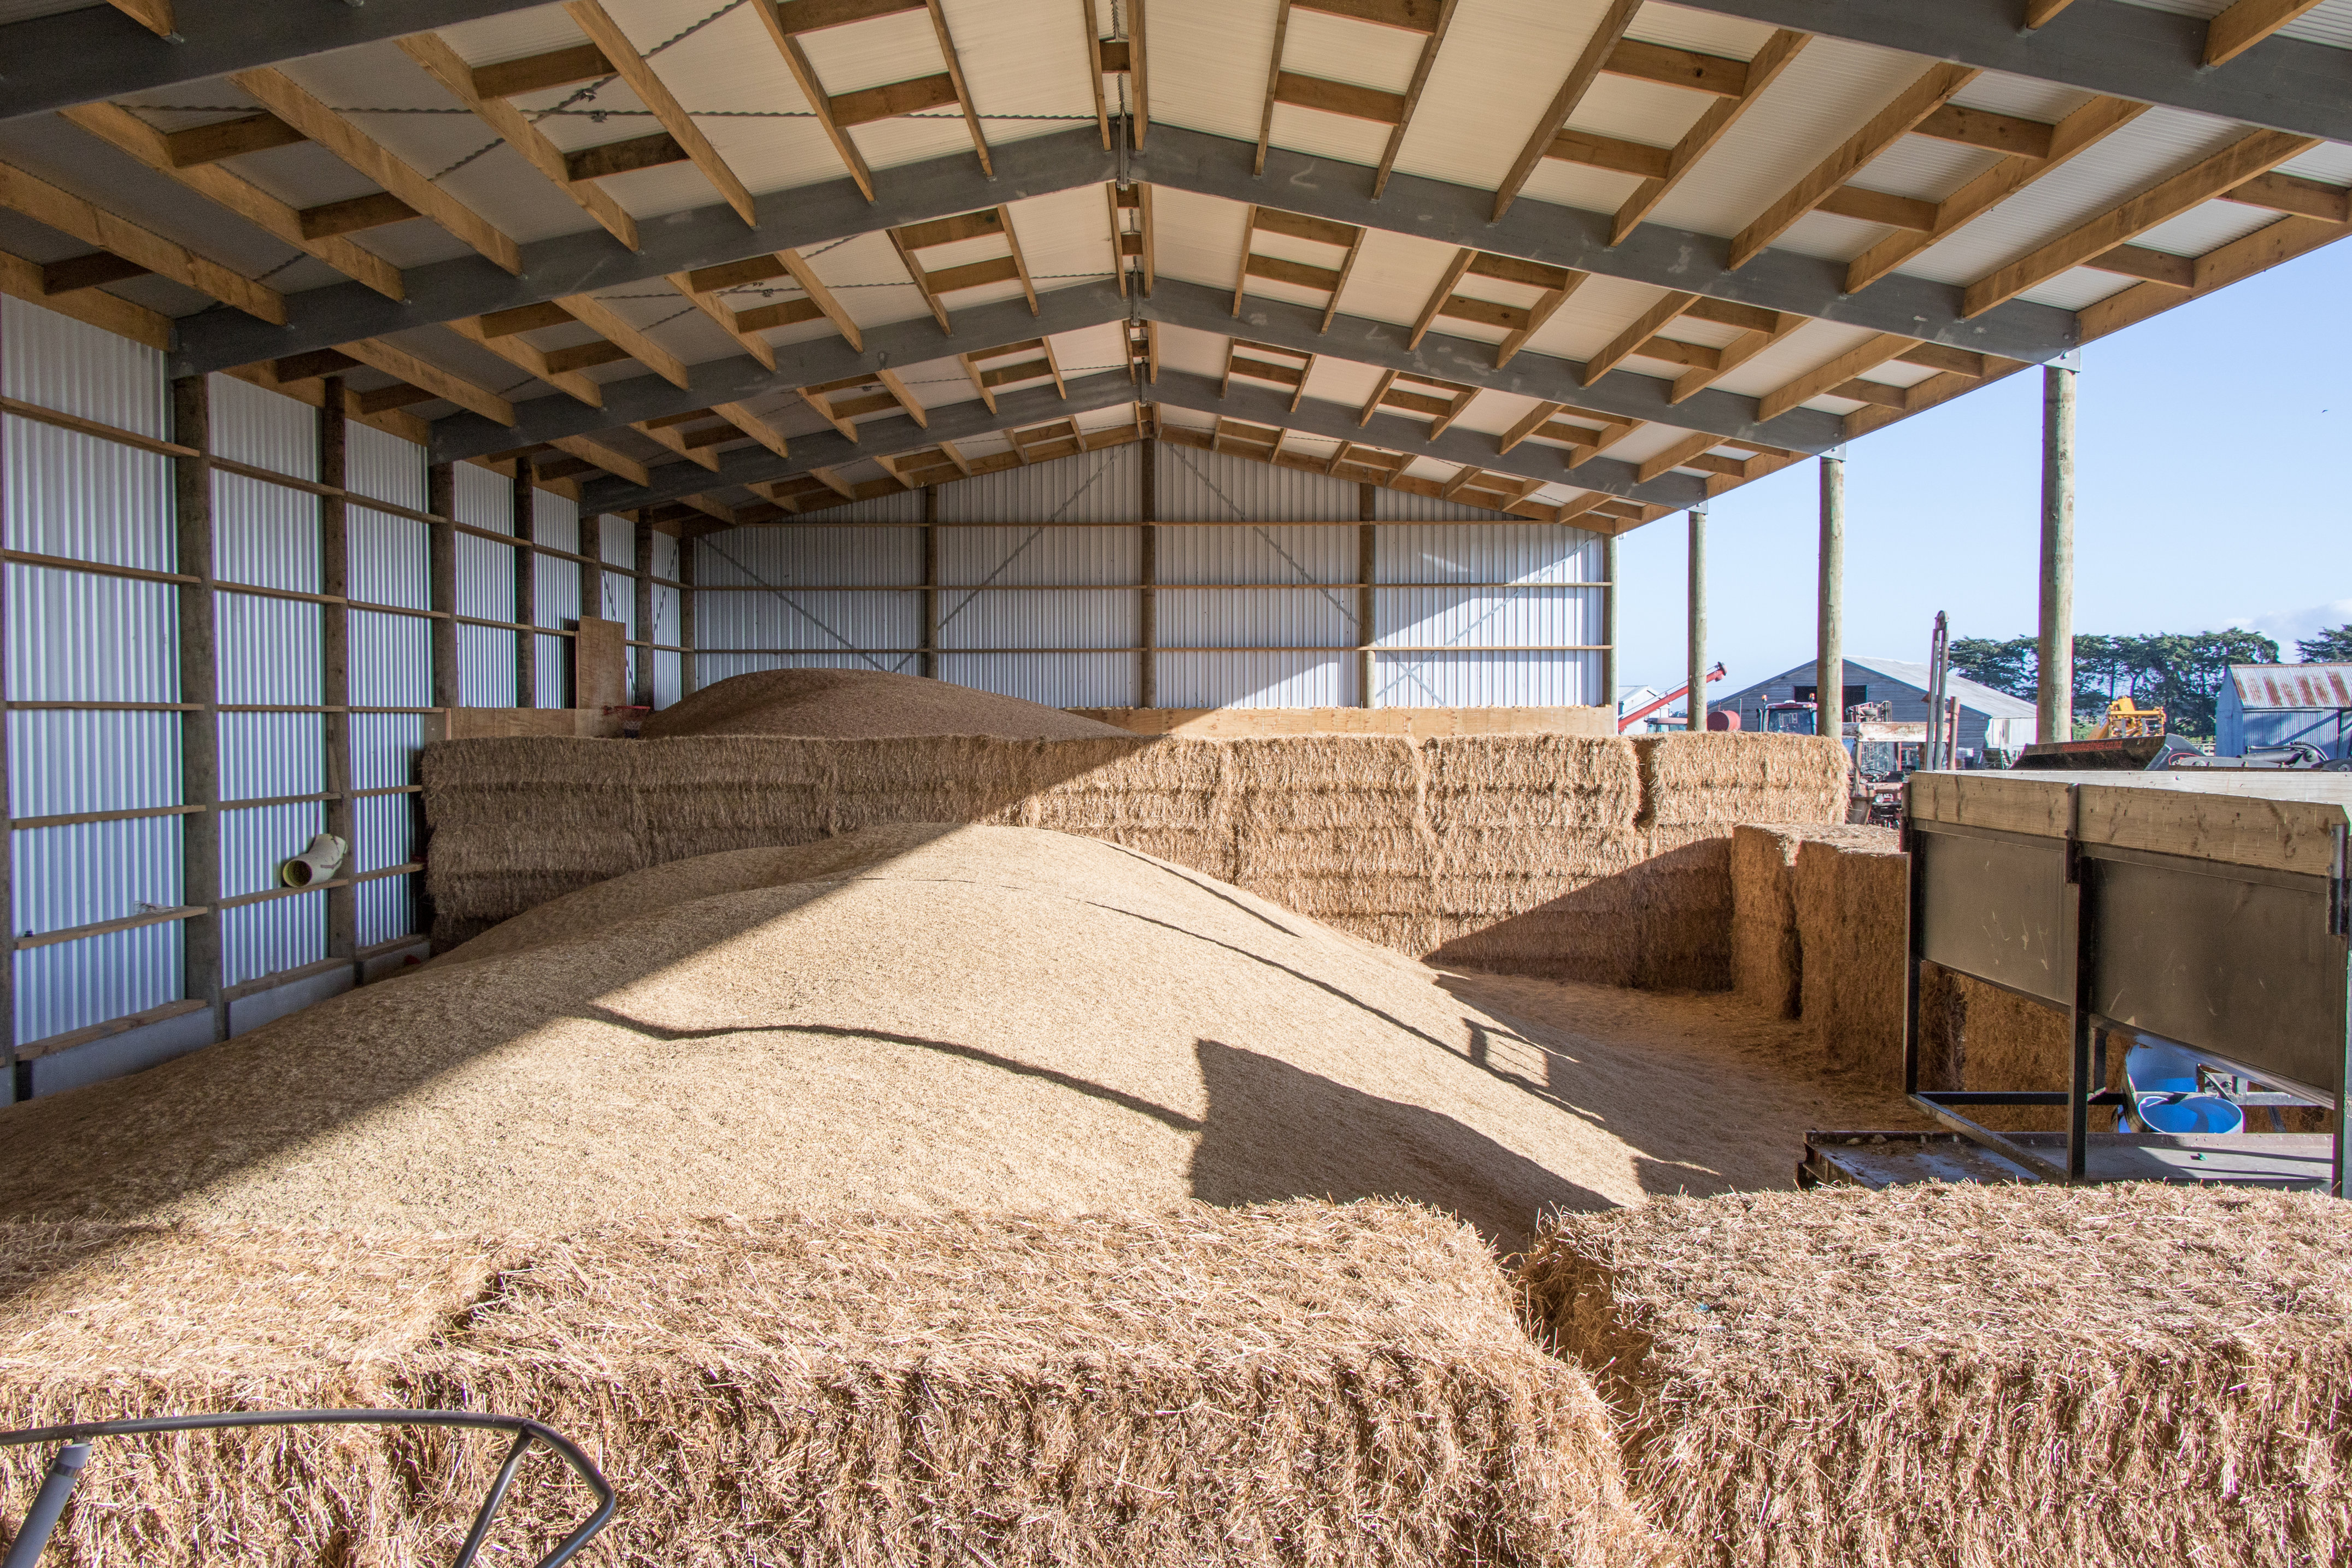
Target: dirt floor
x=1712 y=1094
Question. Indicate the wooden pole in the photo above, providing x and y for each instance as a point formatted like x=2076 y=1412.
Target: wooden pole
x=526 y=588
x=2054 y=712
x=641 y=560
x=590 y=547
x=1609 y=675
x=1367 y=550
x=1695 y=700
x=926 y=662
x=200 y=835
x=1829 y=651
x=441 y=582
x=1147 y=610
x=334 y=667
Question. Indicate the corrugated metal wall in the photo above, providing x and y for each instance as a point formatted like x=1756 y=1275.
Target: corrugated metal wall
x=94 y=722
x=1476 y=610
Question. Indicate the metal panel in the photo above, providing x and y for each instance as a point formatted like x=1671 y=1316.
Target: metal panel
x=381 y=830
x=388 y=558
x=1256 y=680
x=1485 y=679
x=268 y=649
x=776 y=558
x=1099 y=487
x=814 y=619
x=384 y=749
x=383 y=466
x=618 y=538
x=486 y=578
x=389 y=661
x=264 y=534
x=1057 y=680
x=72 y=367
x=387 y=908
x=252 y=425
x=74 y=984
x=551 y=668
x=269 y=756
x=72 y=495
x=1403 y=507
x=75 y=637
x=1215 y=487
x=1996 y=908
x=486 y=667
x=2293 y=685
x=89 y=872
x=61 y=763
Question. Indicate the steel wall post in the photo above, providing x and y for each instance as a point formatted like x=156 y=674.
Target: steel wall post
x=526 y=585
x=200 y=830
x=1695 y=700
x=441 y=580
x=1829 y=654
x=686 y=668
x=1610 y=673
x=334 y=667
x=1367 y=555
x=2055 y=710
x=926 y=662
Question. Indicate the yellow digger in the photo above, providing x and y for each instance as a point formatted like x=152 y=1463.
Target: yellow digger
x=2125 y=720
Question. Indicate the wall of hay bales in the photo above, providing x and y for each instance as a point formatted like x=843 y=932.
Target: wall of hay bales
x=1580 y=857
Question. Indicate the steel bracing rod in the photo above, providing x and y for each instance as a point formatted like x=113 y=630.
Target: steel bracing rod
x=48 y=63
x=1361 y=339
x=1179 y=160
x=1177 y=389
x=802 y=218
x=2101 y=45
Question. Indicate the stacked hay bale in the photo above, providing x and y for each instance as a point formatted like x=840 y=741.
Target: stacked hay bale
x=1972 y=1374
x=1851 y=892
x=1291 y=1383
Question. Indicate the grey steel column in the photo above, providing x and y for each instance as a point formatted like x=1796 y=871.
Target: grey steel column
x=334 y=669
x=526 y=594
x=1147 y=608
x=926 y=662
x=1367 y=550
x=1829 y=652
x=641 y=563
x=200 y=830
x=2054 y=712
x=441 y=579
x=1695 y=700
x=1609 y=675
x=590 y=547
x=685 y=670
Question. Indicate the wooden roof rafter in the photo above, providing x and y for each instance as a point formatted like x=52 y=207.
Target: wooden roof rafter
x=1519 y=322
x=1136 y=245
x=841 y=413
x=1290 y=376
x=1389 y=397
x=986 y=379
x=1347 y=238
x=911 y=240
x=124 y=250
x=1327 y=96
x=839 y=113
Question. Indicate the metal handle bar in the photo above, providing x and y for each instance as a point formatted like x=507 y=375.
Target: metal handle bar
x=65 y=1468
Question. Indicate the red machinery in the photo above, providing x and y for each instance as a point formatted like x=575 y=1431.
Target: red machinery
x=1627 y=721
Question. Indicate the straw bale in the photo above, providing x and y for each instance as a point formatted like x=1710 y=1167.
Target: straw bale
x=1723 y=778
x=1973 y=1375
x=1172 y=799
x=515 y=823
x=1766 y=952
x=862 y=705
x=1852 y=897
x=1548 y=783
x=993 y=1017
x=1299 y=1383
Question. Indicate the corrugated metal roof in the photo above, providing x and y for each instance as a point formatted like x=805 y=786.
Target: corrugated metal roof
x=2293 y=686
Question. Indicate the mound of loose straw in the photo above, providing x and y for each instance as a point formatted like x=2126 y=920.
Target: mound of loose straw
x=1973 y=1375
x=862 y=702
x=917 y=1018
x=1297 y=1383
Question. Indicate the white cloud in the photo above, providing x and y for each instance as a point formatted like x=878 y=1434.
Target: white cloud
x=2286 y=626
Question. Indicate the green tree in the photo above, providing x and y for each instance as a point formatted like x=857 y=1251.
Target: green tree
x=2330 y=647
x=2012 y=666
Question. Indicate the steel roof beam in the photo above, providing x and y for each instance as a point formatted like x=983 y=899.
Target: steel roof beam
x=2101 y=45
x=739 y=378
x=1777 y=279
x=882 y=438
x=798 y=219
x=48 y=63
x=1177 y=389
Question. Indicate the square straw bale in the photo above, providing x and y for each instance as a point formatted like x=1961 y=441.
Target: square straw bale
x=1723 y=778
x=1295 y=1383
x=1170 y=798
x=1343 y=806
x=1969 y=1376
x=1853 y=911
x=700 y=795
x=1582 y=785
x=516 y=821
x=1766 y=963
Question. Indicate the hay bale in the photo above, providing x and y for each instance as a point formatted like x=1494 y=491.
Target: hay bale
x=512 y=823
x=999 y=1018
x=1852 y=899
x=1964 y=1376
x=1767 y=960
x=1300 y=1382
x=862 y=705
x=1718 y=779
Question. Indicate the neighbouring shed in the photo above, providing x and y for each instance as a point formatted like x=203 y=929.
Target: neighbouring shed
x=1990 y=719
x=2270 y=705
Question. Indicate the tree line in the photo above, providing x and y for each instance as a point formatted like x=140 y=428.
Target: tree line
x=2181 y=673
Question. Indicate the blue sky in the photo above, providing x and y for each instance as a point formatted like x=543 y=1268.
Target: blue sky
x=2210 y=490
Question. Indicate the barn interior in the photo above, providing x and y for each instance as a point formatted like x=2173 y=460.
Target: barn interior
x=841 y=779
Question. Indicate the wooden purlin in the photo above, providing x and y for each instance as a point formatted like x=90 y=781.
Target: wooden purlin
x=838 y=113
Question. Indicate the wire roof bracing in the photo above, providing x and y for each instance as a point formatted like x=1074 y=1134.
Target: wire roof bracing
x=736 y=261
